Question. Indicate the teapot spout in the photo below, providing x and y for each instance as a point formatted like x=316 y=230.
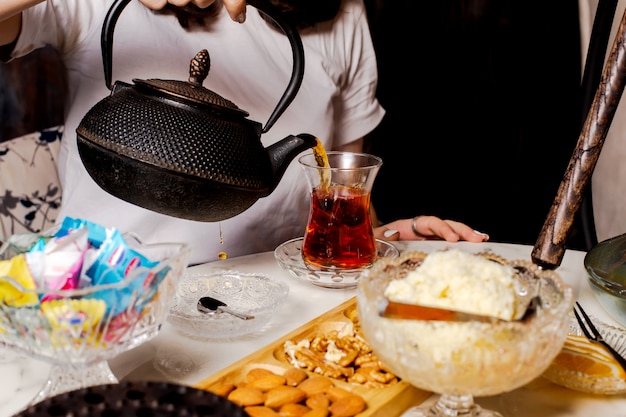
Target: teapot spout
x=284 y=151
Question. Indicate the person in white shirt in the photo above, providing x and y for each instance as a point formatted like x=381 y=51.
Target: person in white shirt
x=250 y=64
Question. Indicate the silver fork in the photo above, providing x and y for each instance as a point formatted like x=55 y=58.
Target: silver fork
x=594 y=335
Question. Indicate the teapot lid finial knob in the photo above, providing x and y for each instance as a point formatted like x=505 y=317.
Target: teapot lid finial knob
x=199 y=67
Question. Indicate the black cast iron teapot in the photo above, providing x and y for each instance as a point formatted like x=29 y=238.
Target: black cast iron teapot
x=177 y=148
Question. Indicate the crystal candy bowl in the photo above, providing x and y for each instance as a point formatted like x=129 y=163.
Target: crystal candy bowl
x=465 y=358
x=77 y=332
x=606 y=268
x=254 y=294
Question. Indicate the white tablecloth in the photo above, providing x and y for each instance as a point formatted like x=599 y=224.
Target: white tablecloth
x=172 y=357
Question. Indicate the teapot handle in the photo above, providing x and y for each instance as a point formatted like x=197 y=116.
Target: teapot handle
x=297 y=73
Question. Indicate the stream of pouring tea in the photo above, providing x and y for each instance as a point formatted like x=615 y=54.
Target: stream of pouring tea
x=322 y=161
x=222 y=255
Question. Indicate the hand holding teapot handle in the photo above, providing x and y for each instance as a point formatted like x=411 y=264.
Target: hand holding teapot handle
x=236 y=8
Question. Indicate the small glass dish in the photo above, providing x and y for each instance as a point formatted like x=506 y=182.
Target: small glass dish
x=289 y=257
x=606 y=267
x=576 y=344
x=253 y=294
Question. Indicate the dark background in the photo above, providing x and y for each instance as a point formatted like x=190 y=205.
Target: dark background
x=32 y=93
x=483 y=110
x=482 y=99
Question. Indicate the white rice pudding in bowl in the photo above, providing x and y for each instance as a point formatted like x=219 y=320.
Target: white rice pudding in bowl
x=475 y=358
x=460 y=281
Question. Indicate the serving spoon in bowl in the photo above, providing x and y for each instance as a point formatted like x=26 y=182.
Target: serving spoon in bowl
x=398 y=310
x=210 y=305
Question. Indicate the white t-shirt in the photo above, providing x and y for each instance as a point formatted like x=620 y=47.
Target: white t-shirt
x=251 y=65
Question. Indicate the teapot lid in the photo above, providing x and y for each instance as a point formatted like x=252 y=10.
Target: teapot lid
x=192 y=91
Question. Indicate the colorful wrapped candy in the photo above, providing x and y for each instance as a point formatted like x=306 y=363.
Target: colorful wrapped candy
x=77 y=280
x=17 y=270
x=58 y=264
x=74 y=322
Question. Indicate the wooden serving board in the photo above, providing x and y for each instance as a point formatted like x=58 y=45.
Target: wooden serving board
x=389 y=401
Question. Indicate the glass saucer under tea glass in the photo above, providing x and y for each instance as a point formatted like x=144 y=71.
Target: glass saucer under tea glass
x=289 y=257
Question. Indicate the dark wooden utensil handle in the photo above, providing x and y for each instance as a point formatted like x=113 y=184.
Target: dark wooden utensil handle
x=550 y=246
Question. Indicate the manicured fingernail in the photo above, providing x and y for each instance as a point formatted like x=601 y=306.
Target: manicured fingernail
x=241 y=17
x=484 y=235
x=390 y=232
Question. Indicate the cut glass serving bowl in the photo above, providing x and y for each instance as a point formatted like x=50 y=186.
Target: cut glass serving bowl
x=460 y=360
x=78 y=330
x=590 y=373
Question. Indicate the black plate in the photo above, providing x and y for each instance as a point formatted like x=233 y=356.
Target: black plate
x=136 y=399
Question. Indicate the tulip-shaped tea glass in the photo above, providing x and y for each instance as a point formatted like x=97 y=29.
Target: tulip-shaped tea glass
x=339 y=233
x=77 y=331
x=460 y=360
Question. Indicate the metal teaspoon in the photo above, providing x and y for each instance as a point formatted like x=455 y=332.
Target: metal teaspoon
x=211 y=306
